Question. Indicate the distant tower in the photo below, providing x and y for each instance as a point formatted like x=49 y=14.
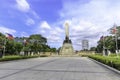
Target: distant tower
x=85 y=44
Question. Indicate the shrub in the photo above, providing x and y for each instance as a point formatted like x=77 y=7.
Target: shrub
x=110 y=61
x=9 y=58
x=44 y=55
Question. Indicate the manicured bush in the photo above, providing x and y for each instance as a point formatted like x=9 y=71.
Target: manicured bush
x=108 y=60
x=9 y=58
x=44 y=55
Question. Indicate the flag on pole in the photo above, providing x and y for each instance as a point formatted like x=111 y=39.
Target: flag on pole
x=9 y=36
x=113 y=30
x=25 y=42
x=102 y=38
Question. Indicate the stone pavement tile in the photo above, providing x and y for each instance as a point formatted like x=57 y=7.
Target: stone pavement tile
x=57 y=76
x=99 y=76
x=56 y=69
x=5 y=73
x=68 y=76
x=30 y=75
x=79 y=76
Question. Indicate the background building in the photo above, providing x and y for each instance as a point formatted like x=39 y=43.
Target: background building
x=85 y=44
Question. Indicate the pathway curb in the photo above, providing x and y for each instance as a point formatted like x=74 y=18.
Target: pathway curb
x=106 y=66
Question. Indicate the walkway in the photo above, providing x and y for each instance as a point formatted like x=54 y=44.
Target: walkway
x=55 y=68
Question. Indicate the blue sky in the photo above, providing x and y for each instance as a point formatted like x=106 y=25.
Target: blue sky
x=88 y=19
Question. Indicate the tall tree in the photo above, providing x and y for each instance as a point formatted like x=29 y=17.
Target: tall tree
x=2 y=39
x=38 y=38
x=38 y=42
x=108 y=42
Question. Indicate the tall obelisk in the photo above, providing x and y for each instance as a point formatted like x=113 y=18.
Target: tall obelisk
x=67 y=30
x=67 y=48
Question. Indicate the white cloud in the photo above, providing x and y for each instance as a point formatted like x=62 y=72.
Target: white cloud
x=7 y=30
x=35 y=14
x=54 y=41
x=44 y=25
x=23 y=5
x=24 y=34
x=57 y=31
x=30 y=21
x=90 y=20
x=52 y=38
x=55 y=37
x=43 y=31
x=42 y=28
x=53 y=34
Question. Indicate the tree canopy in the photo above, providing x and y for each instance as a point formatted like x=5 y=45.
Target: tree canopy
x=34 y=43
x=109 y=42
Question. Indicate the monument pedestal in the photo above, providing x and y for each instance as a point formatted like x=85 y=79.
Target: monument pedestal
x=67 y=48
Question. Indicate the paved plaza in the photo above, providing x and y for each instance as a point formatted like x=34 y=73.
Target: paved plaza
x=55 y=68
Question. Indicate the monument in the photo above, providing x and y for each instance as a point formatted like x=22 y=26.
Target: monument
x=67 y=48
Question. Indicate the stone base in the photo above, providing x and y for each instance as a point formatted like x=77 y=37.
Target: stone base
x=66 y=49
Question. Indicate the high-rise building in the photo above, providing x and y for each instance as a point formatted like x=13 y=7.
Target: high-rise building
x=85 y=44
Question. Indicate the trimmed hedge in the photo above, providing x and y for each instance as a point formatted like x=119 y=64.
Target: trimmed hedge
x=110 y=61
x=44 y=55
x=9 y=58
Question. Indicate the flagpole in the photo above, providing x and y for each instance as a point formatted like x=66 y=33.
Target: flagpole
x=4 y=48
x=115 y=33
x=116 y=41
x=116 y=46
x=103 y=40
x=103 y=46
